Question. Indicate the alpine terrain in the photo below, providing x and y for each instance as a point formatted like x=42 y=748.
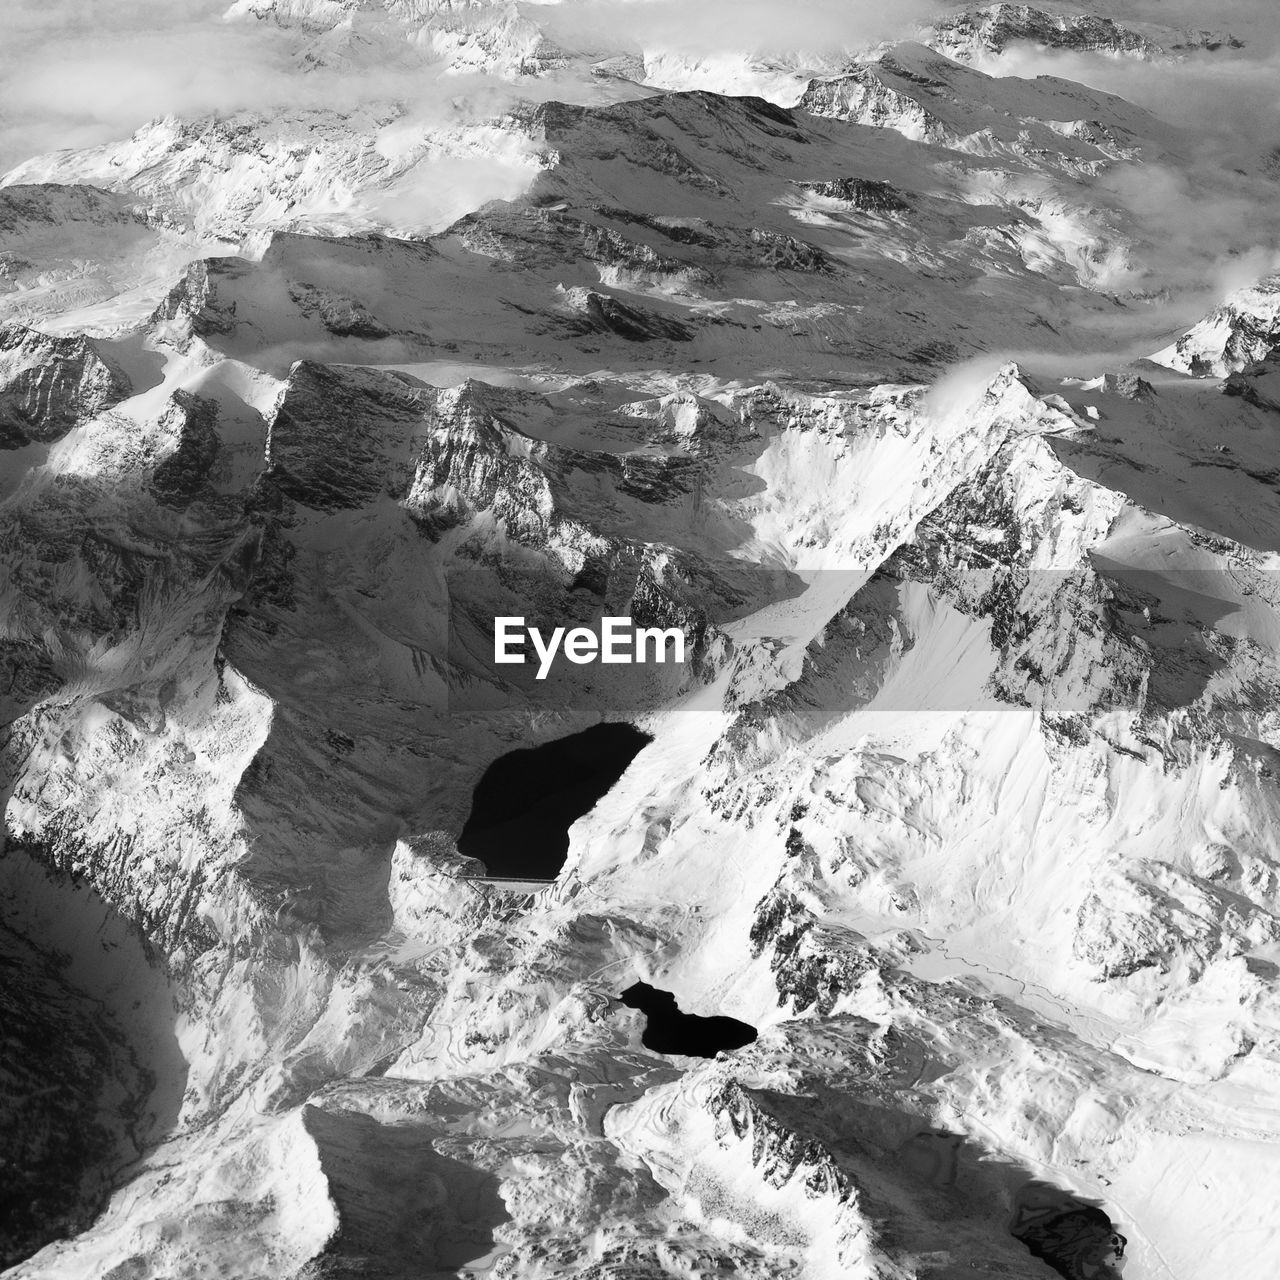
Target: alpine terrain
x=919 y=370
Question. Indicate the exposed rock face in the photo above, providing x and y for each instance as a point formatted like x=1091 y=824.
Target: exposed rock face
x=866 y=97
x=334 y=435
x=926 y=97
x=184 y=474
x=195 y=301
x=993 y=28
x=233 y=179
x=1242 y=332
x=49 y=385
x=1256 y=384
x=80 y=1089
x=962 y=811
x=862 y=193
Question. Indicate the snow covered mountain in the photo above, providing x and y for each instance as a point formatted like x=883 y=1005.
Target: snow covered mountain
x=876 y=371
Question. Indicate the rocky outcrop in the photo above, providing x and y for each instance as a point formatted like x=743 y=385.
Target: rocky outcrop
x=602 y=313
x=1257 y=384
x=814 y=968
x=184 y=473
x=993 y=28
x=1242 y=332
x=965 y=798
x=193 y=305
x=340 y=439
x=867 y=194
x=782 y=1158
x=1159 y=917
x=49 y=385
x=917 y=92
x=342 y=316
x=865 y=97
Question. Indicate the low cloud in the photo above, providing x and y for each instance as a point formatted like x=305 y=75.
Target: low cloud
x=76 y=73
x=79 y=72
x=1205 y=213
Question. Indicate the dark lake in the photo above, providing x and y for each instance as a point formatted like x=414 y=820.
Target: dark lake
x=667 y=1030
x=527 y=800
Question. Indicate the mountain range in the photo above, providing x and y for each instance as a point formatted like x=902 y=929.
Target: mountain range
x=928 y=381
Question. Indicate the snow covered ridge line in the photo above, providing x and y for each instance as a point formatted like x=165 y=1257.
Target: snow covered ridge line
x=617 y=641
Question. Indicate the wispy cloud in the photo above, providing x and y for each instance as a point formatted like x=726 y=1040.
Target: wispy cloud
x=1205 y=216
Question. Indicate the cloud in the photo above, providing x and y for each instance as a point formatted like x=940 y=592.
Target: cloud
x=75 y=73
x=757 y=27
x=78 y=72
x=1203 y=209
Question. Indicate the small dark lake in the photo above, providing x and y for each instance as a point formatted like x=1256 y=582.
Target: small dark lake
x=527 y=800
x=667 y=1030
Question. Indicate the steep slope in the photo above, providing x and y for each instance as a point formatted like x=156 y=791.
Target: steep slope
x=965 y=801
x=1244 y=331
x=716 y=228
